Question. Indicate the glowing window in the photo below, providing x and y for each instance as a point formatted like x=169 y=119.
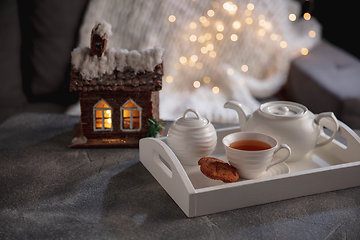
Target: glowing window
x=102 y=116
x=130 y=116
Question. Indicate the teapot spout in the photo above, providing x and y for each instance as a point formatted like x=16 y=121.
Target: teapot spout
x=243 y=112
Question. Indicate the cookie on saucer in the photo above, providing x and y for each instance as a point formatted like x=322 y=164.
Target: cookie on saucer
x=217 y=169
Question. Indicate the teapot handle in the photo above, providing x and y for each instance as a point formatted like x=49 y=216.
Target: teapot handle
x=193 y=111
x=332 y=116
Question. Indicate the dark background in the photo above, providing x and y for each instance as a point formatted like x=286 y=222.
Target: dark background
x=340 y=21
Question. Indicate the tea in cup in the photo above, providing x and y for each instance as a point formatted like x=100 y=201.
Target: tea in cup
x=252 y=153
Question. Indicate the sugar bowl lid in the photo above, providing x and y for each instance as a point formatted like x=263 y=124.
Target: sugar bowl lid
x=187 y=121
x=283 y=109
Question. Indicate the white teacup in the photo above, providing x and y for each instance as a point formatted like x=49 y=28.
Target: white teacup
x=249 y=163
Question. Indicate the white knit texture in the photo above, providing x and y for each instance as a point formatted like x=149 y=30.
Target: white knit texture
x=143 y=24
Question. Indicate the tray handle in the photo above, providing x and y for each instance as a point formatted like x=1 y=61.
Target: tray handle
x=165 y=167
x=348 y=152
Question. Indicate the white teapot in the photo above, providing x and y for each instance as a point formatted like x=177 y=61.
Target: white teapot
x=290 y=123
x=192 y=138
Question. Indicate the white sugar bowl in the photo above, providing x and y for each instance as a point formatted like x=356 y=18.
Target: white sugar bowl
x=191 y=138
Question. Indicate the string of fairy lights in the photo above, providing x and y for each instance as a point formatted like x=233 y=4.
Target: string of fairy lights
x=208 y=47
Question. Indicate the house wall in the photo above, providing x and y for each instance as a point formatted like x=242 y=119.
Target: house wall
x=148 y=101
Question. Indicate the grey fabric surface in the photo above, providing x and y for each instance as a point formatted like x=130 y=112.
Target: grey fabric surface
x=12 y=97
x=327 y=79
x=49 y=191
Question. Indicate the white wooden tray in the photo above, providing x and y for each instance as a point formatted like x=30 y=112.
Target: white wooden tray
x=332 y=167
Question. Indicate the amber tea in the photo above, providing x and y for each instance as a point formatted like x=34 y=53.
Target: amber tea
x=250 y=145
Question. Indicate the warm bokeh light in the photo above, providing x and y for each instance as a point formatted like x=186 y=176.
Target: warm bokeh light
x=202 y=19
x=194 y=58
x=219 y=36
x=273 y=36
x=268 y=25
x=304 y=51
x=210 y=13
x=196 y=84
x=199 y=65
x=206 y=79
x=250 y=6
x=206 y=24
x=193 y=38
x=220 y=27
x=236 y=25
x=292 y=17
x=307 y=16
x=312 y=33
x=207 y=36
x=248 y=12
x=261 y=32
x=215 y=90
x=283 y=44
x=193 y=25
x=183 y=60
x=210 y=47
x=169 y=79
x=230 y=7
x=201 y=39
x=230 y=71
x=172 y=18
x=215 y=4
x=227 y=5
x=234 y=37
x=244 y=68
x=204 y=50
x=249 y=20
x=212 y=54
x=204 y=38
x=262 y=22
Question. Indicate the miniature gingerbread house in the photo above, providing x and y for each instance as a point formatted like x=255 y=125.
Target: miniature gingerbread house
x=118 y=91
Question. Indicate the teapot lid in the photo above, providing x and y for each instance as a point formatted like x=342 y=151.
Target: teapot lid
x=187 y=121
x=283 y=109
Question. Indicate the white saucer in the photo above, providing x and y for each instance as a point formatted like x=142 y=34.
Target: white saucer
x=278 y=169
x=199 y=180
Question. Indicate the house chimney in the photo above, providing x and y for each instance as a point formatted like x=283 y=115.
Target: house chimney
x=99 y=37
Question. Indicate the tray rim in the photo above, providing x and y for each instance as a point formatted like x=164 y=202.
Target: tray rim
x=191 y=203
x=252 y=181
x=281 y=176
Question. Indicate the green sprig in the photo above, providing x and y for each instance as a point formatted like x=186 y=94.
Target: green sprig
x=155 y=127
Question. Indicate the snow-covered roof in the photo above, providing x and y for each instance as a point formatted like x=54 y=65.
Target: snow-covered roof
x=115 y=69
x=92 y=67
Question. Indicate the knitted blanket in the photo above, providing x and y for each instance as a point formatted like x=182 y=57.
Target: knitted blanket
x=214 y=51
